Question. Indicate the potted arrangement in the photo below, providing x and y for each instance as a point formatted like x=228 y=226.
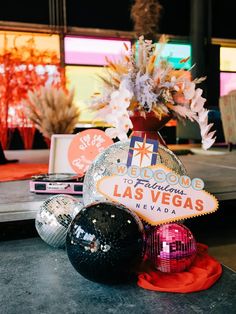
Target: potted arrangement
x=142 y=91
x=52 y=110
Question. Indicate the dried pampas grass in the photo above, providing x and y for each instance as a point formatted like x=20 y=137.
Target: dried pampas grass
x=52 y=110
x=146 y=17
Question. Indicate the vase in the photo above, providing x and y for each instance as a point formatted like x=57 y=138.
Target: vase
x=149 y=126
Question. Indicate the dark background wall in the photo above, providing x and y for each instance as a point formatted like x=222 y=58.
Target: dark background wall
x=115 y=14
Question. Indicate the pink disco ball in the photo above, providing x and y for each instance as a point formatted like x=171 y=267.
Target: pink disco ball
x=171 y=247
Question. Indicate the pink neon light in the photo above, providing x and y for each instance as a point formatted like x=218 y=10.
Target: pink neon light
x=92 y=51
x=227 y=83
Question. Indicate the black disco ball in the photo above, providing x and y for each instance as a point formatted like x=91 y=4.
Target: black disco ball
x=105 y=242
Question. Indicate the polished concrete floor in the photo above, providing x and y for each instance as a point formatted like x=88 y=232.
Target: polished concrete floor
x=37 y=279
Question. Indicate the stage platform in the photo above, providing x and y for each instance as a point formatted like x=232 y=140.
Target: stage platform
x=217 y=170
x=39 y=279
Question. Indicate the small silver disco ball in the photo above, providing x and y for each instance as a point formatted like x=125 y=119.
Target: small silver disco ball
x=54 y=217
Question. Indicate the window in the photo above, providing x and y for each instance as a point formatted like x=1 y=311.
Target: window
x=92 y=51
x=228 y=68
x=227 y=59
x=9 y=40
x=227 y=82
x=174 y=53
x=85 y=59
x=85 y=81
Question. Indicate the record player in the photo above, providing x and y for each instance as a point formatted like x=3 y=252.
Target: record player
x=69 y=159
x=57 y=183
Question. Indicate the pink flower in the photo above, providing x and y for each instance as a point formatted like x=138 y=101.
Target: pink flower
x=208 y=142
x=120 y=129
x=208 y=138
x=198 y=101
x=184 y=112
x=118 y=115
x=120 y=99
x=188 y=89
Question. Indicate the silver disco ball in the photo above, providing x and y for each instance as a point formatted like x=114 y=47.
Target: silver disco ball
x=54 y=218
x=105 y=163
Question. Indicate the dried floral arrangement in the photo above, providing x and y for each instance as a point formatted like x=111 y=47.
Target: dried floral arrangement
x=53 y=110
x=143 y=83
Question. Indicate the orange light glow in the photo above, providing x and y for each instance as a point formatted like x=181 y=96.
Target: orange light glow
x=42 y=42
